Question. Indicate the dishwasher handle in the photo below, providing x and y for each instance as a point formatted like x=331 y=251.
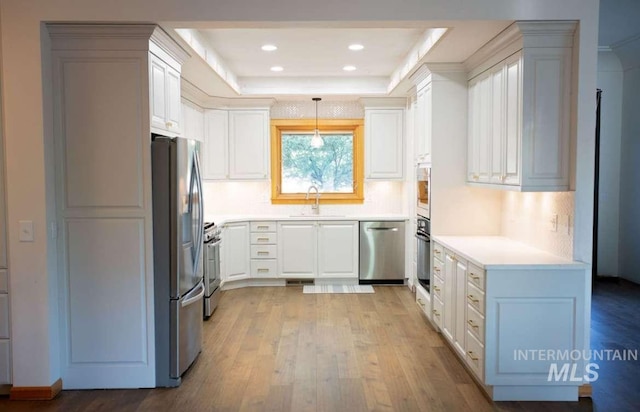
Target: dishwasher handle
x=392 y=229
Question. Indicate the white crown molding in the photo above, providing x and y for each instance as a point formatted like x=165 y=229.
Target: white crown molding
x=547 y=33
x=420 y=74
x=197 y=96
x=508 y=41
x=437 y=68
x=167 y=44
x=71 y=36
x=604 y=49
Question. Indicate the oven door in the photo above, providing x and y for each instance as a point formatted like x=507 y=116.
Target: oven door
x=212 y=266
x=424 y=260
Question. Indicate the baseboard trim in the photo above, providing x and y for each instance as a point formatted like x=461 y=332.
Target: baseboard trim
x=35 y=393
x=585 y=391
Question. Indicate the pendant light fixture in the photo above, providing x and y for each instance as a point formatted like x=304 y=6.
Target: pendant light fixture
x=316 y=140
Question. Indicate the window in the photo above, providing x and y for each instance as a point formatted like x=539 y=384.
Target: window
x=336 y=168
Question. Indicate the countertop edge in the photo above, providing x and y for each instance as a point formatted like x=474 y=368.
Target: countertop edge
x=221 y=220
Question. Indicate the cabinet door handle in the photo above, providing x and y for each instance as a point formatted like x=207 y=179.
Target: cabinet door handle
x=471 y=355
x=472 y=324
x=169 y=124
x=473 y=299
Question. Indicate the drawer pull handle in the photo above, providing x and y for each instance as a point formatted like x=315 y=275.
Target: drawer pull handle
x=436 y=313
x=260 y=252
x=473 y=276
x=473 y=325
x=437 y=252
x=420 y=302
x=436 y=289
x=262 y=270
x=437 y=270
x=473 y=299
x=471 y=355
x=169 y=124
x=263 y=227
x=263 y=239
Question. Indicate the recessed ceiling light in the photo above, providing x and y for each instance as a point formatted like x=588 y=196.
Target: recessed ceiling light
x=277 y=69
x=269 y=47
x=349 y=68
x=356 y=47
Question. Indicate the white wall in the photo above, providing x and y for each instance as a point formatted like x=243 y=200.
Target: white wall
x=254 y=198
x=610 y=81
x=629 y=241
x=24 y=120
x=526 y=218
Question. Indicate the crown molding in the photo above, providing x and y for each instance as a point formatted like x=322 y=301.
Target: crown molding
x=419 y=75
x=547 y=33
x=625 y=42
x=383 y=102
x=604 y=49
x=197 y=96
x=168 y=45
x=72 y=36
x=438 y=68
x=506 y=42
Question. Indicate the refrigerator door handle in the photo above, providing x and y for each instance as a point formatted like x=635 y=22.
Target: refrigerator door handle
x=193 y=299
x=200 y=245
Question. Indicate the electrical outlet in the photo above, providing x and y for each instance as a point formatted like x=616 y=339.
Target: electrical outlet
x=553 y=223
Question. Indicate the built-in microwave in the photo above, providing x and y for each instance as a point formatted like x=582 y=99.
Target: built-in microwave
x=424 y=190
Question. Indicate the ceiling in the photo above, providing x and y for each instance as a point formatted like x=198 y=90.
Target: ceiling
x=313 y=55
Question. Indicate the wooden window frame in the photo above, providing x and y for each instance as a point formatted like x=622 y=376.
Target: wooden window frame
x=356 y=126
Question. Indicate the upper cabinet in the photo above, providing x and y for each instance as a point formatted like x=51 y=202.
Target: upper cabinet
x=192 y=121
x=422 y=122
x=384 y=143
x=236 y=144
x=164 y=87
x=519 y=120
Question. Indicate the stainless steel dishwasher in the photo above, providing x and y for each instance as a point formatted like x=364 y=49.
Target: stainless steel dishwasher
x=382 y=252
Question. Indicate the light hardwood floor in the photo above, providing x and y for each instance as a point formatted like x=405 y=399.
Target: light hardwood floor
x=275 y=349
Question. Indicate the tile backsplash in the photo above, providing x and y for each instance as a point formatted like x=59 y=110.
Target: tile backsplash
x=527 y=218
x=252 y=198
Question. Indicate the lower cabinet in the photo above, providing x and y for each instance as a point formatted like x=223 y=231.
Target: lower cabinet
x=318 y=249
x=338 y=249
x=5 y=354
x=489 y=315
x=235 y=251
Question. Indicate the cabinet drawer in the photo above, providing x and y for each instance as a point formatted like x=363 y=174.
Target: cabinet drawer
x=475 y=323
x=438 y=251
x=5 y=362
x=475 y=356
x=422 y=300
x=437 y=287
x=263 y=238
x=4 y=281
x=475 y=298
x=438 y=268
x=437 y=312
x=264 y=268
x=4 y=316
x=476 y=276
x=263 y=226
x=263 y=252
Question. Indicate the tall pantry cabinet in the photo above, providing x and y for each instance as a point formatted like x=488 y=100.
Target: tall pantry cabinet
x=113 y=86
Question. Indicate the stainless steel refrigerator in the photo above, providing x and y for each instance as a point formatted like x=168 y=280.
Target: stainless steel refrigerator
x=178 y=231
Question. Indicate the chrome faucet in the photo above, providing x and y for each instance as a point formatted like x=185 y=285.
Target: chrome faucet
x=315 y=208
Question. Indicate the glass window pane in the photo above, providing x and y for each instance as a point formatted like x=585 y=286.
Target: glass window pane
x=329 y=167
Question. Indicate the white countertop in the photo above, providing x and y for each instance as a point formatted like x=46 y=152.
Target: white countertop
x=221 y=219
x=497 y=252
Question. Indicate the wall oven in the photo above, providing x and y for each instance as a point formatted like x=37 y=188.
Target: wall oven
x=424 y=190
x=423 y=237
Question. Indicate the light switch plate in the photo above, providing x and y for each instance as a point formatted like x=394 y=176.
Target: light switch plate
x=26 y=230
x=553 y=223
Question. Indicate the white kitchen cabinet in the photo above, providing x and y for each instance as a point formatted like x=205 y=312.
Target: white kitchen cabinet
x=192 y=122
x=236 y=144
x=297 y=249
x=338 y=249
x=423 y=123
x=5 y=363
x=248 y=144
x=164 y=87
x=235 y=244
x=502 y=303
x=384 y=144
x=520 y=114
x=215 y=149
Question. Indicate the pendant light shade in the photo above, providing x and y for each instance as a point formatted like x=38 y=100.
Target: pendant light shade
x=316 y=140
